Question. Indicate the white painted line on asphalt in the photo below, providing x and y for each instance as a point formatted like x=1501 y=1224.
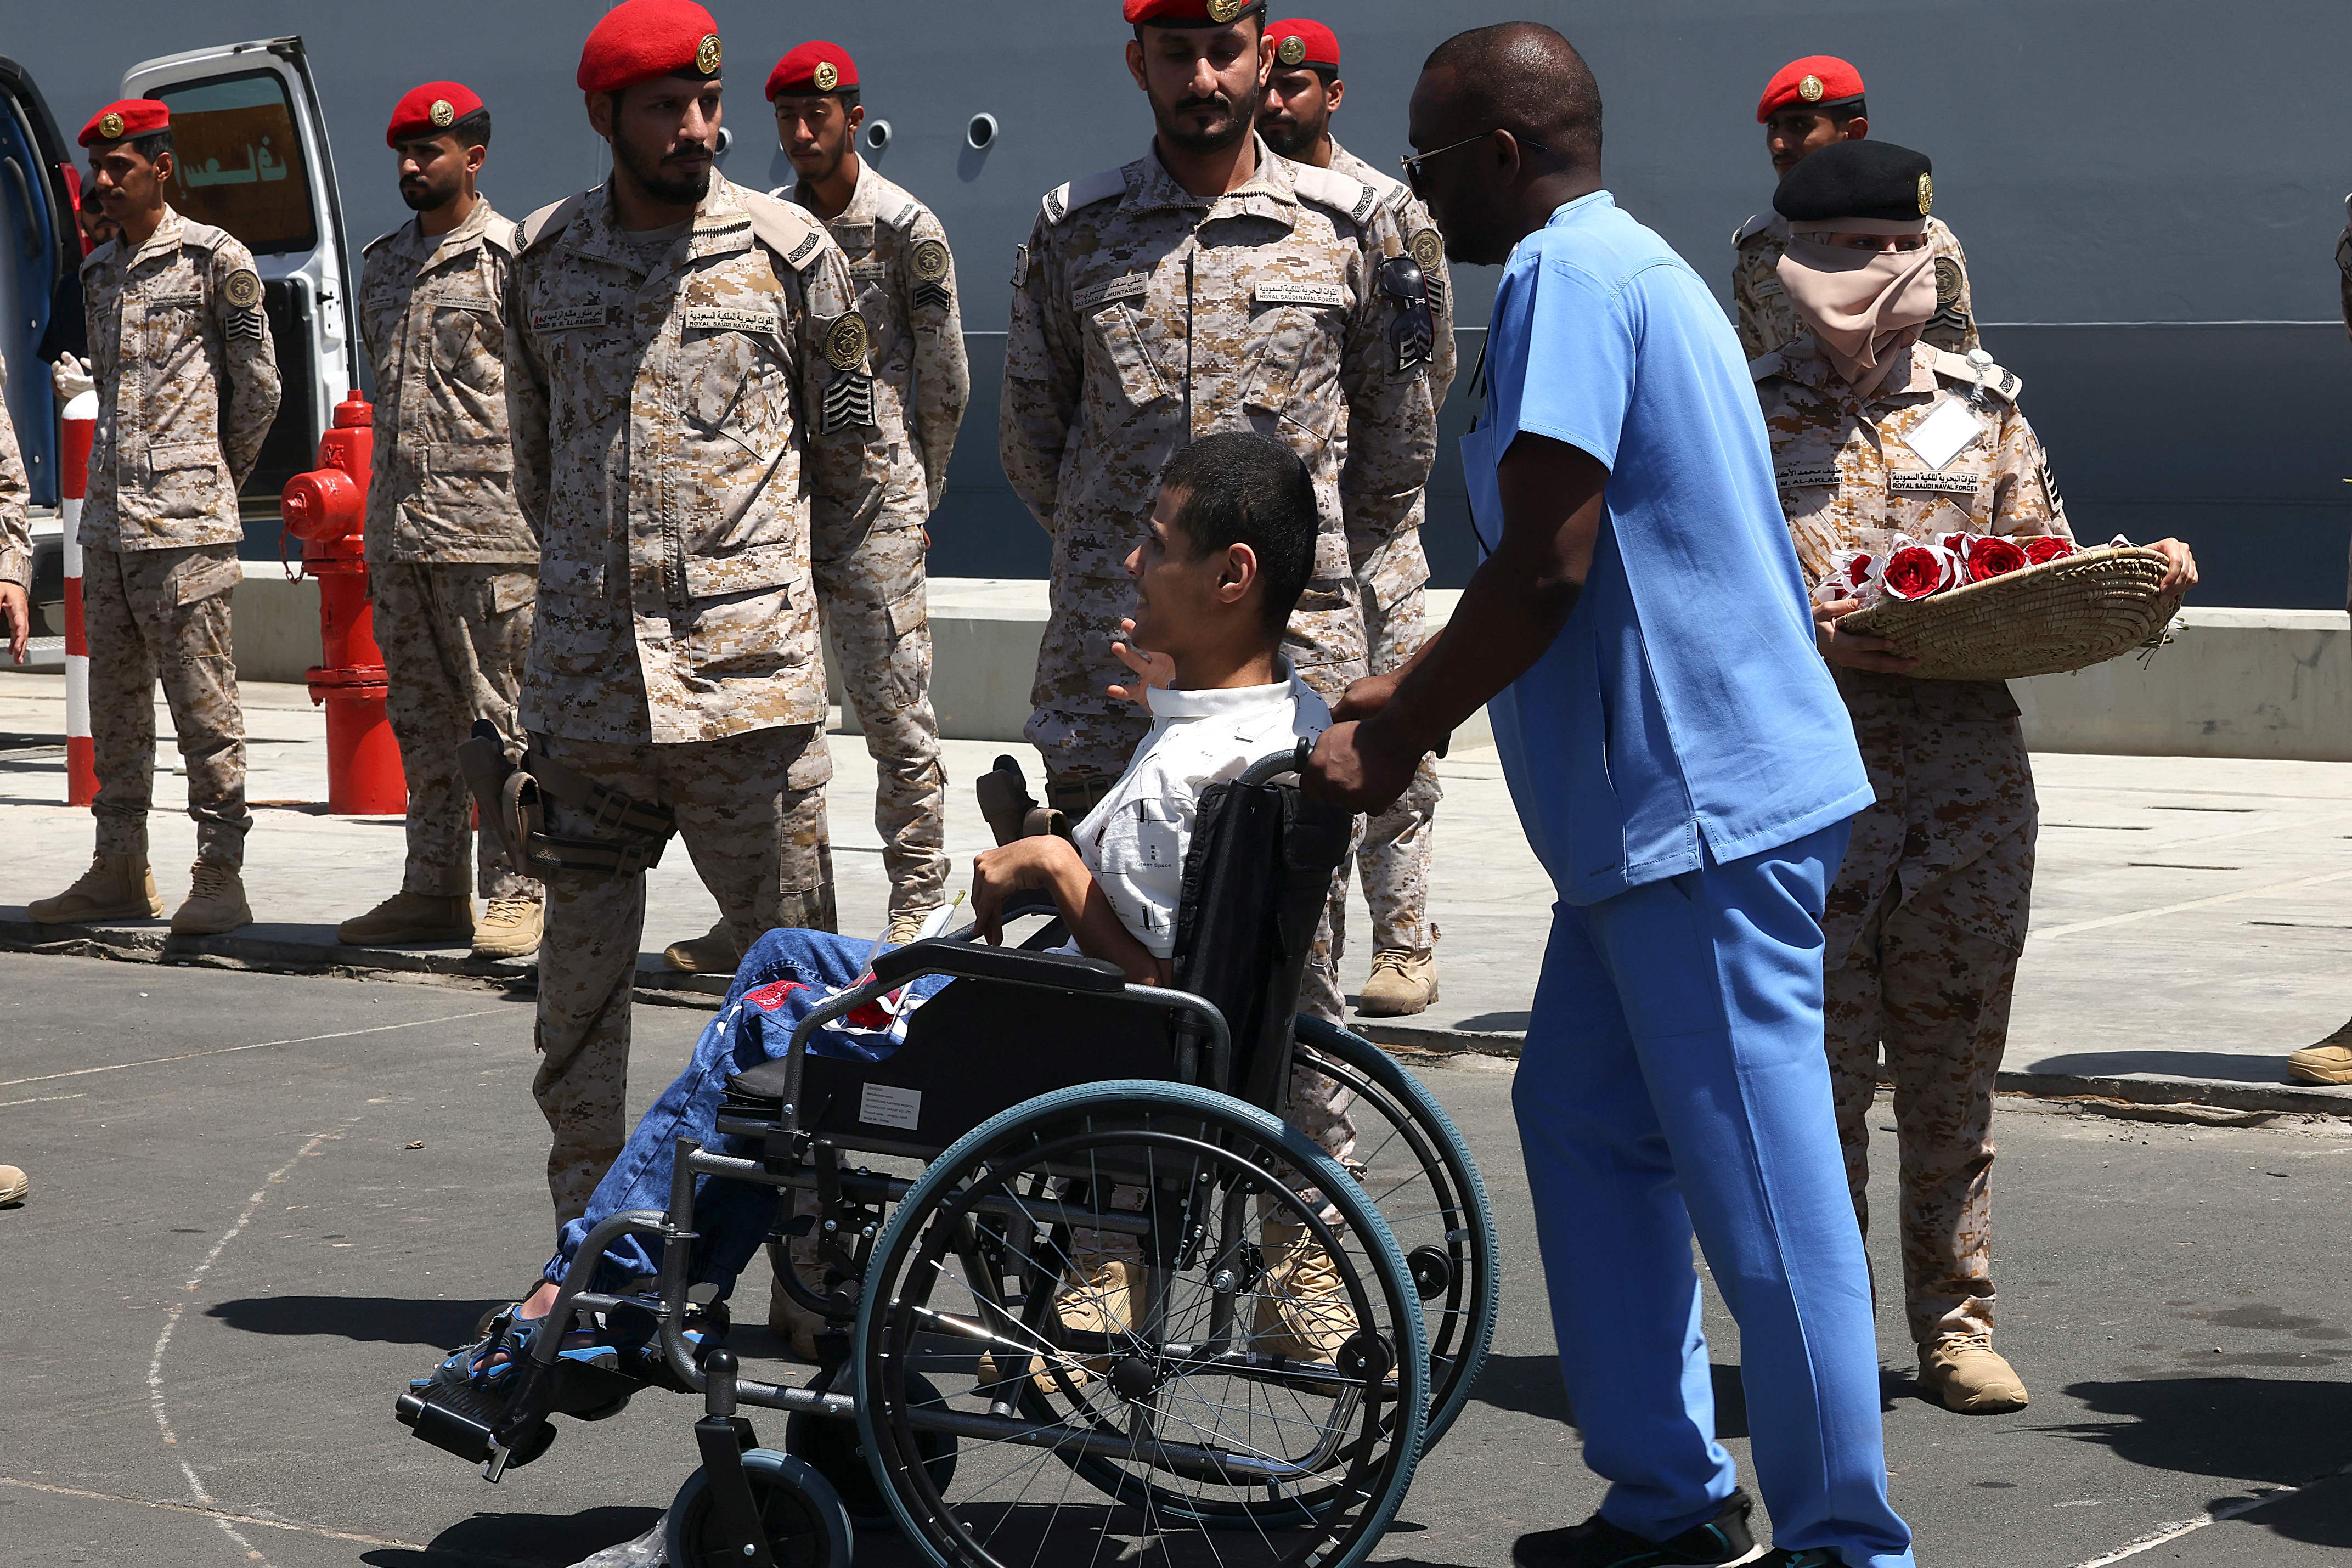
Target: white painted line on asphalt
x=2103 y=921
x=257 y=1046
x=166 y=1506
x=172 y=1320
x=2164 y=1533
x=40 y=1100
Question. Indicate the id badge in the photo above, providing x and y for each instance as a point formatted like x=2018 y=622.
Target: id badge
x=1946 y=431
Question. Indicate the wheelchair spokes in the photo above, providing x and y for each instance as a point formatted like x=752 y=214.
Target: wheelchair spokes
x=1125 y=1300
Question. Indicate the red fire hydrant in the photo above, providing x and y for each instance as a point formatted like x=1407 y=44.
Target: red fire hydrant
x=327 y=511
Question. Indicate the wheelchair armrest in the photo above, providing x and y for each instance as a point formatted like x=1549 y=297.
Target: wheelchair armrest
x=977 y=960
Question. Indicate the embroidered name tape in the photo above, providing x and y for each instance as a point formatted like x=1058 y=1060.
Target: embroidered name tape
x=1930 y=484
x=1807 y=478
x=177 y=297
x=570 y=318
x=1328 y=295
x=1134 y=286
x=866 y=269
x=721 y=319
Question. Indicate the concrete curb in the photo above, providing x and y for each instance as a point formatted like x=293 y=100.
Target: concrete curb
x=2152 y=1098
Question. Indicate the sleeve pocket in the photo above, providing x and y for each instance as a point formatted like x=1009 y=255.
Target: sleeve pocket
x=510 y=591
x=170 y=456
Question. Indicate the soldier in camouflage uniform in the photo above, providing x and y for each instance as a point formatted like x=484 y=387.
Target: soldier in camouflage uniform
x=688 y=389
x=1149 y=309
x=1391 y=570
x=187 y=385
x=1810 y=104
x=870 y=584
x=452 y=559
x=16 y=540
x=1928 y=915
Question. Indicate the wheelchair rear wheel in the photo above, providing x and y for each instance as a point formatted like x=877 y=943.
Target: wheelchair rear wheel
x=800 y=1513
x=1413 y=1165
x=1117 y=1286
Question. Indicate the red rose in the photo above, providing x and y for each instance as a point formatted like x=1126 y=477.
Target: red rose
x=2047 y=547
x=1857 y=574
x=1989 y=558
x=1915 y=571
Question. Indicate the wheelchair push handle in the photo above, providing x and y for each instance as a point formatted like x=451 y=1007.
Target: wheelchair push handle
x=1292 y=763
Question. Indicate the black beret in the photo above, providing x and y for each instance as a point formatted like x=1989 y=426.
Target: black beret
x=1857 y=179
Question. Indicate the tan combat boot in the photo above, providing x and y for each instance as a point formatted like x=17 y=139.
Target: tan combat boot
x=1302 y=1306
x=1965 y=1373
x=1402 y=981
x=410 y=918
x=2330 y=1061
x=115 y=888
x=714 y=952
x=1100 y=1295
x=907 y=926
x=510 y=928
x=215 y=902
x=15 y=1186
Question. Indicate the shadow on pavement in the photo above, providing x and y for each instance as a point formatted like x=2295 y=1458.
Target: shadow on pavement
x=379 y=1320
x=2280 y=1431
x=2218 y=1065
x=520 y=1540
x=1530 y=1385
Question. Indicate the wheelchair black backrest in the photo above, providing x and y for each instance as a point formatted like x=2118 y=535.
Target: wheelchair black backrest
x=1257 y=875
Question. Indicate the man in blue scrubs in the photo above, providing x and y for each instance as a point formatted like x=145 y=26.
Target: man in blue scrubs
x=1683 y=764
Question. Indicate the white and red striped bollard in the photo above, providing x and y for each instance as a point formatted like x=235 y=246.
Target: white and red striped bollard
x=80 y=424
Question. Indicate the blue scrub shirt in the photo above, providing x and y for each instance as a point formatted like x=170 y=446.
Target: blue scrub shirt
x=1683 y=711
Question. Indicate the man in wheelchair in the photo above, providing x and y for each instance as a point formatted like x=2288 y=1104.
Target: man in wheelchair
x=1230 y=546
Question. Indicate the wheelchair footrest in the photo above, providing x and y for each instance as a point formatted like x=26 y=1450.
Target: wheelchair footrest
x=463 y=1421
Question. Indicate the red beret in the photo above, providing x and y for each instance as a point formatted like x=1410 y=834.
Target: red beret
x=1190 y=13
x=1318 y=46
x=815 y=67
x=1813 y=82
x=126 y=118
x=641 y=40
x=430 y=110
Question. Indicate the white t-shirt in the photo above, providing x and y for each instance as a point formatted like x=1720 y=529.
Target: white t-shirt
x=1134 y=842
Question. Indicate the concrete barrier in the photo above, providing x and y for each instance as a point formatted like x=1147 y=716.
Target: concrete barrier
x=2232 y=683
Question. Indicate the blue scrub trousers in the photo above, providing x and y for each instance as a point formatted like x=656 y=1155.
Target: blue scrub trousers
x=1674 y=1081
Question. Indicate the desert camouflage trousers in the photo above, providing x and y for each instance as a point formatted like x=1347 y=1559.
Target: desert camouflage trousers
x=454 y=635
x=164 y=613
x=1936 y=996
x=872 y=595
x=1393 y=858
x=751 y=810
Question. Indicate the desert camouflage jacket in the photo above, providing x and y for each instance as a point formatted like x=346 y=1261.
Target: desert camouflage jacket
x=1144 y=317
x=679 y=417
x=187 y=385
x=433 y=312
x=906 y=279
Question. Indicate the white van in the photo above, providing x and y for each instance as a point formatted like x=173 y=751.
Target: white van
x=252 y=157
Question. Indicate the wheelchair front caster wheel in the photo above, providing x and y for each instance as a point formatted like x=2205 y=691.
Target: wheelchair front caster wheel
x=800 y=1513
x=834 y=1447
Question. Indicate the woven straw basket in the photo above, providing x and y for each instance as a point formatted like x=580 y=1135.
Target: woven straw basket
x=2064 y=614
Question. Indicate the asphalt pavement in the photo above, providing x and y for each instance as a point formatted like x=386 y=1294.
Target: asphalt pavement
x=262 y=1202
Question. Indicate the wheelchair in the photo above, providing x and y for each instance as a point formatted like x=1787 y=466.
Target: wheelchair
x=1089 y=1297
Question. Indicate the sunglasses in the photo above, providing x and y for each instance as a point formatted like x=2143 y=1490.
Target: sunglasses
x=1412 y=165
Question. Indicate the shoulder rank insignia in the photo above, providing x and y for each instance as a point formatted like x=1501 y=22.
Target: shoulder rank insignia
x=1414 y=332
x=1020 y=266
x=849 y=401
x=845 y=341
x=928 y=262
